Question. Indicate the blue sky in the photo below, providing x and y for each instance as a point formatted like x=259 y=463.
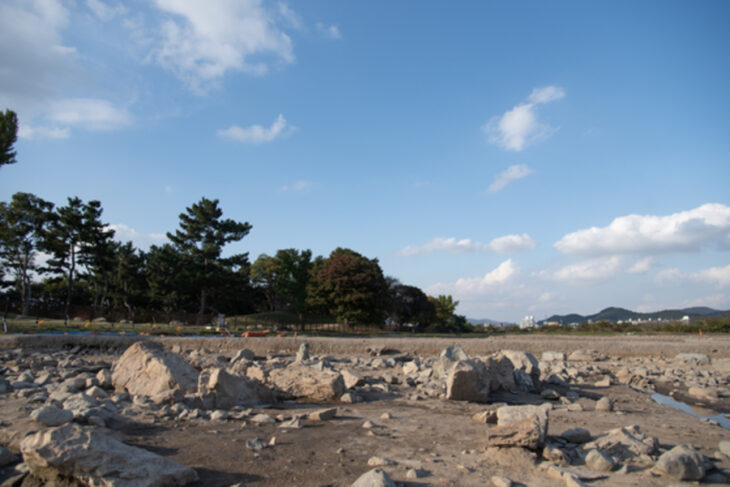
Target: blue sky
x=525 y=157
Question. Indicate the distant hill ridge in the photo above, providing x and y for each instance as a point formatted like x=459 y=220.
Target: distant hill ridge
x=620 y=314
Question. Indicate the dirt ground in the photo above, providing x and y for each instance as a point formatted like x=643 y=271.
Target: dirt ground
x=433 y=434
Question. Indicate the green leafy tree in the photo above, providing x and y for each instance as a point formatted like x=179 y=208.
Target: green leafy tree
x=411 y=305
x=8 y=136
x=446 y=318
x=22 y=225
x=283 y=279
x=349 y=287
x=168 y=278
x=201 y=238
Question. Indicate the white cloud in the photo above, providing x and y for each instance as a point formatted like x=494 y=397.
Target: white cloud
x=718 y=276
x=511 y=243
x=38 y=132
x=545 y=297
x=89 y=113
x=594 y=269
x=512 y=173
x=298 y=187
x=289 y=16
x=691 y=230
x=103 y=11
x=641 y=266
x=546 y=94
x=124 y=233
x=500 y=245
x=329 y=31
x=34 y=59
x=666 y=276
x=256 y=134
x=472 y=285
x=519 y=127
x=201 y=41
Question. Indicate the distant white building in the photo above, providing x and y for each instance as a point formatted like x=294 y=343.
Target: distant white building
x=527 y=322
x=685 y=319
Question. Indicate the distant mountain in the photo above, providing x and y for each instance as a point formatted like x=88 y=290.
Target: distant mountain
x=621 y=314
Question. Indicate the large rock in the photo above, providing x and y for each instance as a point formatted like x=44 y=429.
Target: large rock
x=526 y=433
x=448 y=358
x=302 y=381
x=147 y=369
x=468 y=380
x=96 y=459
x=523 y=361
x=224 y=390
x=376 y=477
x=625 y=444
x=514 y=414
x=692 y=358
x=501 y=373
x=682 y=463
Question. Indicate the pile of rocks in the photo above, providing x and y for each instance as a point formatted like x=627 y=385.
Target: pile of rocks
x=76 y=400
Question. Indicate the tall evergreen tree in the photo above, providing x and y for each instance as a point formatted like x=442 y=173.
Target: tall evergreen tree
x=201 y=238
x=8 y=136
x=22 y=225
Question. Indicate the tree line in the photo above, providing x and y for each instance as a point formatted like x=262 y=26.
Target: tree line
x=61 y=258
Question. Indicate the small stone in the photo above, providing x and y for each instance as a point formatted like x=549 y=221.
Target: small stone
x=577 y=435
x=380 y=462
x=369 y=425
x=576 y=407
x=272 y=441
x=550 y=394
x=604 y=404
x=374 y=478
x=598 y=461
x=218 y=415
x=499 y=481
x=724 y=447
x=386 y=416
x=417 y=473
x=323 y=414
x=294 y=423
x=485 y=417
x=605 y=382
x=554 y=454
x=6 y=456
x=262 y=418
x=51 y=416
x=255 y=444
x=350 y=398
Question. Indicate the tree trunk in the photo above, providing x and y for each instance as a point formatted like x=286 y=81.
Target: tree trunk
x=199 y=320
x=69 y=289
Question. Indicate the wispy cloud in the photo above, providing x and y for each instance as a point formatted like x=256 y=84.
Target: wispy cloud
x=38 y=132
x=103 y=11
x=125 y=233
x=589 y=270
x=707 y=225
x=512 y=173
x=718 y=276
x=297 y=187
x=641 y=266
x=256 y=134
x=501 y=245
x=519 y=127
x=89 y=113
x=200 y=43
x=329 y=31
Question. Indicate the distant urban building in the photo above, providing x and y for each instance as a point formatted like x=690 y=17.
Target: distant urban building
x=527 y=322
x=685 y=319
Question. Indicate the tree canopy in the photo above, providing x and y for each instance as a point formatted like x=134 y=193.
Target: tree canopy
x=8 y=136
x=349 y=287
